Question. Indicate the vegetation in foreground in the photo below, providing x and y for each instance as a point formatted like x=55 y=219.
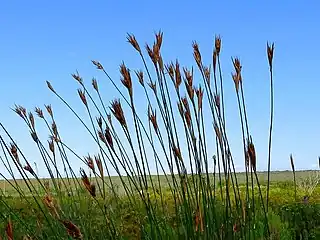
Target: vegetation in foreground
x=183 y=135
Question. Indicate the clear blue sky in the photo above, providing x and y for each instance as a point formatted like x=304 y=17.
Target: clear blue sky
x=48 y=40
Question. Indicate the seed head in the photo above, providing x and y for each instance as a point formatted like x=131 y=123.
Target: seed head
x=95 y=84
x=150 y=53
x=108 y=137
x=188 y=75
x=9 y=230
x=49 y=110
x=217 y=44
x=178 y=75
x=199 y=93
x=99 y=164
x=39 y=112
x=50 y=87
x=31 y=119
x=132 y=40
x=218 y=133
x=236 y=79
x=187 y=116
x=34 y=136
x=270 y=50
x=90 y=187
x=252 y=155
x=51 y=205
x=99 y=121
x=190 y=90
x=139 y=75
x=180 y=108
x=14 y=152
x=185 y=103
x=237 y=65
x=170 y=70
x=206 y=71
x=196 y=54
x=153 y=119
x=214 y=60
x=159 y=36
x=77 y=77
x=153 y=86
x=117 y=111
x=177 y=153
x=72 y=229
x=51 y=145
x=21 y=111
x=89 y=162
x=97 y=64
x=217 y=101
x=126 y=78
x=29 y=169
x=82 y=97
x=156 y=53
x=54 y=129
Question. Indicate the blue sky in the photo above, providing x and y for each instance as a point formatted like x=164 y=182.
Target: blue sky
x=49 y=40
